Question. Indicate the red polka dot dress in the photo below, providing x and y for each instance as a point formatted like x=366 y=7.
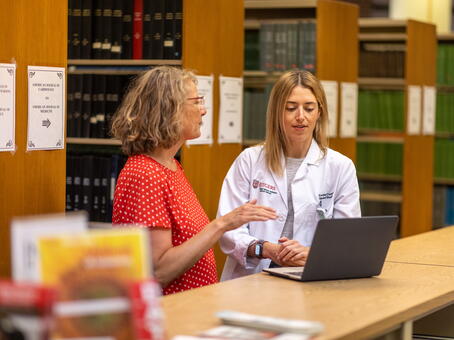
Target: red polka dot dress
x=150 y=194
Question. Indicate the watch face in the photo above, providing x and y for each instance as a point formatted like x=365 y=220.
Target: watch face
x=258 y=250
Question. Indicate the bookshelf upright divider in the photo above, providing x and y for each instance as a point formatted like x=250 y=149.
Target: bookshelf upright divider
x=411 y=58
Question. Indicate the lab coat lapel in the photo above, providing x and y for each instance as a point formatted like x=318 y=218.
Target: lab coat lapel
x=281 y=182
x=313 y=157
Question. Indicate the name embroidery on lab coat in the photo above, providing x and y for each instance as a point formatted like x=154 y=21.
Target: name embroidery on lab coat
x=263 y=187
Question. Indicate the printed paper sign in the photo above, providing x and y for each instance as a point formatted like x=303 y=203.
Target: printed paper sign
x=331 y=90
x=46 y=108
x=205 y=89
x=231 y=110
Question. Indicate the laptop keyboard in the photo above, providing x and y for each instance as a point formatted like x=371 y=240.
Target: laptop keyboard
x=295 y=273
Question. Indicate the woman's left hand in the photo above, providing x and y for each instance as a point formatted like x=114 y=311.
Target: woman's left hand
x=292 y=253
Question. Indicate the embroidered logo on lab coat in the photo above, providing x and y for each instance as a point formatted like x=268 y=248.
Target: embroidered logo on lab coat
x=264 y=187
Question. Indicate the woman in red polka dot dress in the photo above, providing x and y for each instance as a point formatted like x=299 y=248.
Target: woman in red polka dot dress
x=160 y=112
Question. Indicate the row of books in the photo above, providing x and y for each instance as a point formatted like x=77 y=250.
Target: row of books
x=444 y=121
x=381 y=110
x=445 y=64
x=382 y=60
x=125 y=29
x=254 y=112
x=90 y=183
x=92 y=101
x=279 y=46
x=443 y=206
x=379 y=158
x=444 y=158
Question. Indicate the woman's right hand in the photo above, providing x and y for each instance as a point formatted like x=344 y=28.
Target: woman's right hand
x=246 y=213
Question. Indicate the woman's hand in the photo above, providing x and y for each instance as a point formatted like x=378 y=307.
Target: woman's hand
x=246 y=213
x=291 y=253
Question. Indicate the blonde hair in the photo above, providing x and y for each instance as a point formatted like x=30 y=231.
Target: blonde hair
x=150 y=113
x=276 y=143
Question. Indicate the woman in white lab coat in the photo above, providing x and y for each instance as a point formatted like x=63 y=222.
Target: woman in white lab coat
x=295 y=173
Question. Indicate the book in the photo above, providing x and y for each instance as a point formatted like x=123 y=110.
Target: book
x=117 y=34
x=92 y=272
x=137 y=30
x=178 y=29
x=75 y=28
x=97 y=39
x=86 y=23
x=157 y=26
x=169 y=29
x=127 y=30
x=106 y=45
x=25 y=232
x=147 y=30
x=25 y=310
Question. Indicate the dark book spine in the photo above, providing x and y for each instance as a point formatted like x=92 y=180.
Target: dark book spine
x=126 y=43
x=77 y=182
x=112 y=99
x=169 y=29
x=86 y=104
x=97 y=29
x=137 y=30
x=178 y=18
x=77 y=114
x=105 y=190
x=106 y=29
x=96 y=189
x=87 y=185
x=85 y=49
x=101 y=106
x=94 y=108
x=117 y=18
x=70 y=27
x=76 y=28
x=70 y=107
x=113 y=175
x=147 y=31
x=69 y=183
x=157 y=26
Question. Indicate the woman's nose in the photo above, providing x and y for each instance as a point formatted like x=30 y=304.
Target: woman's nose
x=203 y=110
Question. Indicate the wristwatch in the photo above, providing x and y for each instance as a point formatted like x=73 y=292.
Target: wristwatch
x=258 y=249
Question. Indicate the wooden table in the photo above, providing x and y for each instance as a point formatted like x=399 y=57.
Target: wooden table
x=431 y=248
x=349 y=309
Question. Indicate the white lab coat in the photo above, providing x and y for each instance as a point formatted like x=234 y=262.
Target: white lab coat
x=323 y=187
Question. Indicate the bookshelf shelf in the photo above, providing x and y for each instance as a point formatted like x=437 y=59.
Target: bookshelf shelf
x=251 y=24
x=382 y=23
x=379 y=196
x=252 y=142
x=123 y=62
x=384 y=138
x=93 y=141
x=105 y=71
x=446 y=37
x=273 y=4
x=379 y=177
x=382 y=37
x=444 y=181
x=382 y=83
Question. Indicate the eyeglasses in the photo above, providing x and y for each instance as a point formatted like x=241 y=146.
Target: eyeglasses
x=199 y=100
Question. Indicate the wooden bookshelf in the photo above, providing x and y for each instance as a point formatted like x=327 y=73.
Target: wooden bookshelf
x=417 y=177
x=212 y=44
x=33 y=33
x=336 y=32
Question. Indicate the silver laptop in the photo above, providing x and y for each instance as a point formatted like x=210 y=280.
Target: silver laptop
x=345 y=248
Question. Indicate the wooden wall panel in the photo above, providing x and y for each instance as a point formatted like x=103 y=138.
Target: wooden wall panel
x=337 y=54
x=33 y=33
x=418 y=150
x=213 y=43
